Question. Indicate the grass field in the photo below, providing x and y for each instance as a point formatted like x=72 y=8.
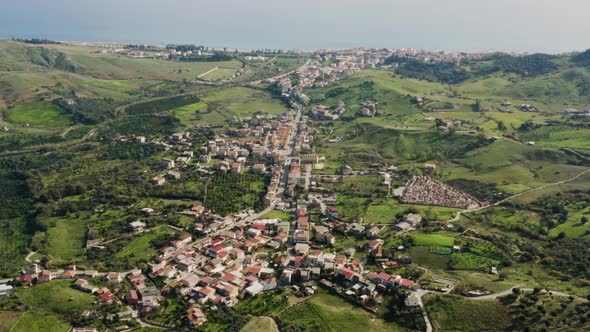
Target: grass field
x=327 y=312
x=219 y=74
x=237 y=101
x=434 y=239
x=278 y=214
x=424 y=257
x=257 y=324
x=7 y=319
x=57 y=296
x=40 y=114
x=32 y=321
x=451 y=313
x=67 y=239
x=139 y=247
x=383 y=211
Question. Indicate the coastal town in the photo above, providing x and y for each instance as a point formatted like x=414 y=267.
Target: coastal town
x=220 y=260
x=270 y=213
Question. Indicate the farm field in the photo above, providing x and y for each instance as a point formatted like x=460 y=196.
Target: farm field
x=434 y=239
x=327 y=312
x=238 y=101
x=424 y=257
x=40 y=114
x=451 y=313
x=67 y=239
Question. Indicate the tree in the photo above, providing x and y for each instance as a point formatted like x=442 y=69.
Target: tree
x=501 y=126
x=584 y=220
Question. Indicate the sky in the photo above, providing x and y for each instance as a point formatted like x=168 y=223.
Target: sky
x=453 y=25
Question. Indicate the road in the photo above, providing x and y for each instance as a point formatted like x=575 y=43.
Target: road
x=509 y=291
x=419 y=293
x=28 y=258
x=282 y=75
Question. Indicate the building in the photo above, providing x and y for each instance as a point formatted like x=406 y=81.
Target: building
x=114 y=277
x=166 y=163
x=44 y=276
x=158 y=180
x=6 y=290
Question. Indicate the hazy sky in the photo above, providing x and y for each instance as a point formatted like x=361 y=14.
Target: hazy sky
x=465 y=25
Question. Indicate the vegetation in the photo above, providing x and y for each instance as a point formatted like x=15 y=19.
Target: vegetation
x=231 y=193
x=454 y=313
x=437 y=72
x=40 y=114
x=58 y=296
x=87 y=110
x=161 y=105
x=32 y=321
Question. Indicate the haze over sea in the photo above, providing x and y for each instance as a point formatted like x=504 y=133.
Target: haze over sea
x=463 y=25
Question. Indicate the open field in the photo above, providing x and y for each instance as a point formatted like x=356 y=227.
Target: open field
x=237 y=101
x=257 y=324
x=140 y=247
x=284 y=216
x=67 y=239
x=57 y=296
x=434 y=239
x=40 y=114
x=7 y=319
x=451 y=313
x=423 y=256
x=219 y=74
x=327 y=312
x=32 y=321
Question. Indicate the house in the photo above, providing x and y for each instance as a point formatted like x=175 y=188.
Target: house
x=183 y=241
x=6 y=290
x=403 y=227
x=413 y=219
x=166 y=163
x=301 y=248
x=286 y=277
x=44 y=276
x=254 y=289
x=259 y=168
x=373 y=244
x=372 y=231
x=131 y=297
x=115 y=277
x=195 y=316
x=349 y=275
x=301 y=236
x=253 y=232
x=412 y=300
x=68 y=274
x=158 y=180
x=33 y=269
x=140 y=139
x=107 y=296
x=25 y=279
x=190 y=280
x=172 y=175
x=137 y=225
